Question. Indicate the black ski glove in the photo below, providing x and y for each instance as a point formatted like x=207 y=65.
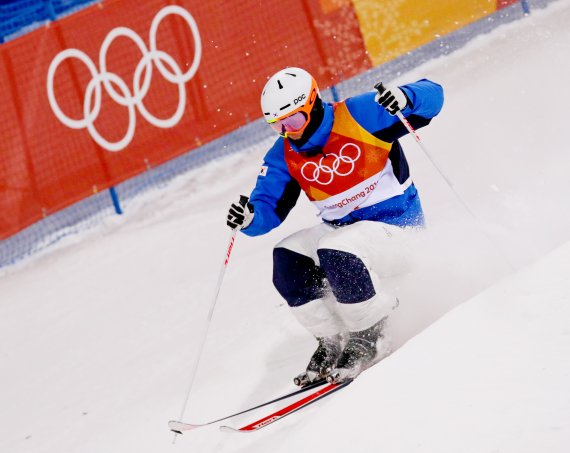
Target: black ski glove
x=391 y=98
x=240 y=214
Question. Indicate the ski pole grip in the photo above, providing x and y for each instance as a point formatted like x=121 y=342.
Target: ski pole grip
x=380 y=88
x=243 y=200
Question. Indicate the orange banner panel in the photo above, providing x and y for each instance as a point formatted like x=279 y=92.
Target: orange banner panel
x=393 y=27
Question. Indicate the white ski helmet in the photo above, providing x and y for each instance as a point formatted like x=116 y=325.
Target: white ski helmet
x=287 y=100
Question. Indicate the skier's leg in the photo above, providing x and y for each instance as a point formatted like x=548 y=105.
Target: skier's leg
x=300 y=280
x=298 y=277
x=356 y=259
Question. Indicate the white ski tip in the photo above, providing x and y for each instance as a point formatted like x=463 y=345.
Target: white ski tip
x=179 y=427
x=229 y=429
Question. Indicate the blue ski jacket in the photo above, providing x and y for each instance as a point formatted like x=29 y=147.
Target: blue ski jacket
x=276 y=191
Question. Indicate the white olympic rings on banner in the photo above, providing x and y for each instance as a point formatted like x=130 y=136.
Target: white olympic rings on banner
x=118 y=89
x=323 y=174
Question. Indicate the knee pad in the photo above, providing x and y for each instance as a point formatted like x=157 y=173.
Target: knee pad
x=297 y=277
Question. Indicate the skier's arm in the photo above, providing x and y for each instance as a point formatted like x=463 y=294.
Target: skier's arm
x=274 y=195
x=424 y=101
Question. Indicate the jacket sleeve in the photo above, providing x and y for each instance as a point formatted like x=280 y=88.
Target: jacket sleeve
x=275 y=193
x=425 y=100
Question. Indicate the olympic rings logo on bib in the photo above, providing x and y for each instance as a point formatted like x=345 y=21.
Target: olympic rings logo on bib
x=343 y=164
x=123 y=95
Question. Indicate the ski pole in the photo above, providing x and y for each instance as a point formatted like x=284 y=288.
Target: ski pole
x=208 y=322
x=421 y=144
x=419 y=141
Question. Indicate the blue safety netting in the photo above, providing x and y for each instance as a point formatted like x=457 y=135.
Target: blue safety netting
x=18 y=17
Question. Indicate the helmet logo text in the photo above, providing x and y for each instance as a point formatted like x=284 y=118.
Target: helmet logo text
x=300 y=99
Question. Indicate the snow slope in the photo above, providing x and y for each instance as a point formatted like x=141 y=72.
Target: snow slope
x=98 y=338
x=492 y=375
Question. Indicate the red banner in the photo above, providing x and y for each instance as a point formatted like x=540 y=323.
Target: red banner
x=504 y=3
x=102 y=95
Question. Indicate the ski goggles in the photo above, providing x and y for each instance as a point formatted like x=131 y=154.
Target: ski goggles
x=294 y=122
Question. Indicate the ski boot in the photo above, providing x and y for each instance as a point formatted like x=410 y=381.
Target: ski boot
x=359 y=353
x=322 y=362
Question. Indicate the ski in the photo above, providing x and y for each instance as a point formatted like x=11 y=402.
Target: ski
x=281 y=413
x=179 y=427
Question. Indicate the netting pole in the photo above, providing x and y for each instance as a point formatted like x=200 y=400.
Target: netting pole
x=334 y=93
x=115 y=200
x=50 y=10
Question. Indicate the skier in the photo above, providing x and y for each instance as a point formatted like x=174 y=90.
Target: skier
x=347 y=159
